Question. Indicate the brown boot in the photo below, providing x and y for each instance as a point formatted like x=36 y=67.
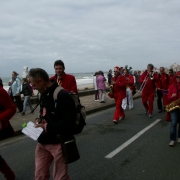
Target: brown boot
x=6 y=170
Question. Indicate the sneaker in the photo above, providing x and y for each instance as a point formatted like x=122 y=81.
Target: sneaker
x=115 y=121
x=22 y=113
x=96 y=100
x=150 y=115
x=103 y=102
x=146 y=112
x=19 y=112
x=178 y=140
x=172 y=143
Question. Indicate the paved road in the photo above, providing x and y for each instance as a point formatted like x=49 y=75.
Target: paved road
x=146 y=158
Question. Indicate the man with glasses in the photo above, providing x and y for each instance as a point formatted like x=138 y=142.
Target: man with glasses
x=57 y=120
x=174 y=95
x=163 y=91
x=119 y=93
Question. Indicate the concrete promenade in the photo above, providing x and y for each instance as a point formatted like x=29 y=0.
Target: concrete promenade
x=87 y=101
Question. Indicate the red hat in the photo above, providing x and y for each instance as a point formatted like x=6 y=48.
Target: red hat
x=178 y=73
x=117 y=68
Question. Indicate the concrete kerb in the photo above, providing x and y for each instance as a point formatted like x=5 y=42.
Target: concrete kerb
x=91 y=111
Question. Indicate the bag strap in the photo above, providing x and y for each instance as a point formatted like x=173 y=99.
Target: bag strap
x=56 y=91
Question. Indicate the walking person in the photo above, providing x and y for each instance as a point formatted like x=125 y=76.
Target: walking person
x=15 y=88
x=101 y=86
x=27 y=92
x=174 y=96
x=95 y=86
x=119 y=93
x=162 y=97
x=149 y=81
x=7 y=110
x=57 y=120
x=129 y=87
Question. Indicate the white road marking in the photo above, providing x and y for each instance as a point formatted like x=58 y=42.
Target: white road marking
x=120 y=148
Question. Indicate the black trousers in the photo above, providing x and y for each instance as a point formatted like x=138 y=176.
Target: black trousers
x=96 y=95
x=19 y=103
x=159 y=100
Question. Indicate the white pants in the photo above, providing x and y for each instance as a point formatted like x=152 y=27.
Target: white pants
x=129 y=97
x=102 y=94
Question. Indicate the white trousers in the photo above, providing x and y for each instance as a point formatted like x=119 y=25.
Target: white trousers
x=102 y=94
x=128 y=99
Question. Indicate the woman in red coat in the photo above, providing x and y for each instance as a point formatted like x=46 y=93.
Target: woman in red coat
x=173 y=95
x=7 y=110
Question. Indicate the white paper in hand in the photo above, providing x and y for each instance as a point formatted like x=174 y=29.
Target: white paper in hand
x=31 y=131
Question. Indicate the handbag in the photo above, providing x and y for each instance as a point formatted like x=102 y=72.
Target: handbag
x=69 y=150
x=7 y=132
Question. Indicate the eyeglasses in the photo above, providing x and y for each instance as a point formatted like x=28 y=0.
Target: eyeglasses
x=34 y=83
x=178 y=77
x=115 y=71
x=170 y=72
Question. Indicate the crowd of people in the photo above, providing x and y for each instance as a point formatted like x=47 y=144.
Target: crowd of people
x=55 y=116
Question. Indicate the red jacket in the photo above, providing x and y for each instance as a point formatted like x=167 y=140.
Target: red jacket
x=68 y=82
x=174 y=88
x=7 y=108
x=130 y=82
x=164 y=81
x=172 y=79
x=119 y=87
x=150 y=84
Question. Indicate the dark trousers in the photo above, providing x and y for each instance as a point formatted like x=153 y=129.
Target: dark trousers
x=159 y=99
x=96 y=95
x=19 y=103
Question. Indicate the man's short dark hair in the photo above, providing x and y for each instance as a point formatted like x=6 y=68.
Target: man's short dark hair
x=151 y=65
x=162 y=67
x=37 y=73
x=59 y=63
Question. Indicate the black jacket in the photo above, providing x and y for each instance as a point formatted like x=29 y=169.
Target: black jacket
x=59 y=115
x=26 y=90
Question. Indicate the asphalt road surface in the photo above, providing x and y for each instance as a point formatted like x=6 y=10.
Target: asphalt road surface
x=135 y=149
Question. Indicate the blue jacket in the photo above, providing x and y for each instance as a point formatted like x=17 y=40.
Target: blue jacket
x=16 y=86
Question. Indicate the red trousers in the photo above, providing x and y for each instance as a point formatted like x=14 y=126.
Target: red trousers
x=119 y=112
x=148 y=100
x=165 y=99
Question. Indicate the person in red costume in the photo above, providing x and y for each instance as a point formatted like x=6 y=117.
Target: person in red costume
x=173 y=95
x=163 y=91
x=129 y=87
x=149 y=81
x=119 y=93
x=172 y=77
x=67 y=81
x=7 y=110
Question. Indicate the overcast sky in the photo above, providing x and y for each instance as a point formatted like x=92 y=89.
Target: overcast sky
x=88 y=35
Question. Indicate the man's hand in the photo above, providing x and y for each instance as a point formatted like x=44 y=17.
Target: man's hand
x=41 y=124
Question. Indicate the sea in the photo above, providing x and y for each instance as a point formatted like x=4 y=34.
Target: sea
x=83 y=80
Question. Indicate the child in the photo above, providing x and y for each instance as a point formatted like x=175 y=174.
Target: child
x=27 y=92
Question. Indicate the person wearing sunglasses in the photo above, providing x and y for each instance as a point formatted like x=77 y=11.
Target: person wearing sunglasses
x=174 y=95
x=119 y=93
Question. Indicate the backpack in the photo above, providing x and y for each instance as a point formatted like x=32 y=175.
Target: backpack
x=81 y=112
